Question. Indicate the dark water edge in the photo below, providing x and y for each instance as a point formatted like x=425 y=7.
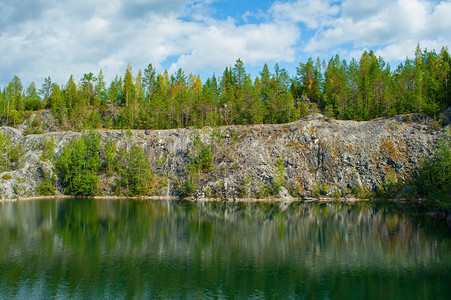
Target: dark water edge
x=94 y=248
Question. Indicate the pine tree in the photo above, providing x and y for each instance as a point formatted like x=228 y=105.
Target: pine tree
x=309 y=78
x=149 y=81
x=46 y=90
x=32 y=100
x=58 y=106
x=100 y=92
x=87 y=90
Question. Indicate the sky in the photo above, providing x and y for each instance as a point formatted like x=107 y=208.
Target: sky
x=40 y=38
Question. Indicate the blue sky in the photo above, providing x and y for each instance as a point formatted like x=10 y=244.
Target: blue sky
x=40 y=38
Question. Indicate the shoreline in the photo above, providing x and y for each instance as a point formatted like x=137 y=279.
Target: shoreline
x=247 y=200
x=442 y=215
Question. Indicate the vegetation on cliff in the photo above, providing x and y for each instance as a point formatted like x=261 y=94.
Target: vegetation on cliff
x=10 y=155
x=315 y=156
x=434 y=176
x=83 y=161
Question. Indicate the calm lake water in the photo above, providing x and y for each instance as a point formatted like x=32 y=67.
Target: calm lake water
x=107 y=249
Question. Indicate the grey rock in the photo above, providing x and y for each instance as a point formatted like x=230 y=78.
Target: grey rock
x=316 y=150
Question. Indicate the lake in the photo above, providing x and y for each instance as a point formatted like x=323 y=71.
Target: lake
x=85 y=248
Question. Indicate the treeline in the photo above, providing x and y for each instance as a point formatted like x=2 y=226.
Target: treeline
x=357 y=90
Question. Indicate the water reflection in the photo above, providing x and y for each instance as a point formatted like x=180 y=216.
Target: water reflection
x=172 y=249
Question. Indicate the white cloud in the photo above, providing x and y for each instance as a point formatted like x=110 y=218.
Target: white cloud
x=441 y=19
x=59 y=38
x=220 y=44
x=401 y=50
x=387 y=25
x=358 y=9
x=313 y=13
x=76 y=37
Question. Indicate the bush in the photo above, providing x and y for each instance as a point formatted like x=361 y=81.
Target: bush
x=279 y=176
x=135 y=176
x=202 y=160
x=79 y=163
x=46 y=188
x=188 y=188
x=48 y=151
x=7 y=176
x=320 y=190
x=361 y=193
x=433 y=180
x=391 y=187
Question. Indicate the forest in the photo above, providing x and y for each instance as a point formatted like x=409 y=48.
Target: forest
x=355 y=90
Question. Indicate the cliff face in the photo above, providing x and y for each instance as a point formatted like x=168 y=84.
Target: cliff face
x=315 y=155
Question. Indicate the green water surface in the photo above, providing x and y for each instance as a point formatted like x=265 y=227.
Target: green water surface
x=113 y=249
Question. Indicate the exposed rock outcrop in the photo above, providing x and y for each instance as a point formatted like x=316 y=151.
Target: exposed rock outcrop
x=318 y=154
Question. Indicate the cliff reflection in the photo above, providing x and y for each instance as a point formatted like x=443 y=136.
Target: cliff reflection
x=120 y=247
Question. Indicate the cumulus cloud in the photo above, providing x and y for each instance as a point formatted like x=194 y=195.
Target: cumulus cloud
x=358 y=9
x=220 y=44
x=40 y=38
x=16 y=12
x=76 y=37
x=141 y=8
x=313 y=13
x=389 y=25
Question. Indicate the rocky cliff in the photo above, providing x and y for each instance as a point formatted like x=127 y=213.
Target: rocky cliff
x=315 y=155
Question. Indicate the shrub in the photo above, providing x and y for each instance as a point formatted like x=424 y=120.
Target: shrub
x=391 y=187
x=134 y=172
x=320 y=190
x=48 y=151
x=79 y=163
x=202 y=159
x=361 y=193
x=279 y=176
x=188 y=188
x=46 y=188
x=433 y=180
x=7 y=176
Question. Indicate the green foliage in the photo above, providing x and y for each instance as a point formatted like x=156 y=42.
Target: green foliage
x=47 y=185
x=32 y=100
x=35 y=127
x=279 y=176
x=135 y=176
x=434 y=176
x=245 y=183
x=188 y=188
x=201 y=162
x=265 y=190
x=79 y=163
x=10 y=156
x=15 y=156
x=46 y=188
x=337 y=193
x=202 y=159
x=360 y=89
x=110 y=163
x=390 y=188
x=7 y=177
x=209 y=192
x=48 y=149
x=320 y=190
x=361 y=193
x=159 y=100
x=95 y=120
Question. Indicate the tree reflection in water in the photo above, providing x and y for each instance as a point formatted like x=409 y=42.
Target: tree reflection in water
x=116 y=248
